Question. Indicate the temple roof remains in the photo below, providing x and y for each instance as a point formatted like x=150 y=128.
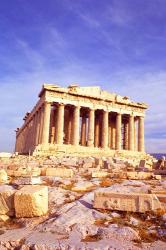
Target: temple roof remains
x=92 y=92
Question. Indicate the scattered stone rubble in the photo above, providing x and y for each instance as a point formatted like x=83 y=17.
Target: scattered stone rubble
x=82 y=203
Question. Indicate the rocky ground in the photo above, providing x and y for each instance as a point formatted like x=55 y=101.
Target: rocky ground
x=71 y=221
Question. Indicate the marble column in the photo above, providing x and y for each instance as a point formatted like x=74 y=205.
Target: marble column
x=91 y=128
x=41 y=122
x=97 y=126
x=66 y=123
x=126 y=135
x=25 y=138
x=52 y=126
x=131 y=133
x=105 y=130
x=118 y=131
x=46 y=122
x=135 y=135
x=32 y=133
x=69 y=134
x=113 y=134
x=28 y=136
x=37 y=128
x=141 y=134
x=83 y=131
x=76 y=126
x=16 y=144
x=109 y=133
x=34 y=129
x=21 y=137
x=60 y=124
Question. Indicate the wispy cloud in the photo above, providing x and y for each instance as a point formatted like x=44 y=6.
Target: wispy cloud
x=150 y=88
x=119 y=15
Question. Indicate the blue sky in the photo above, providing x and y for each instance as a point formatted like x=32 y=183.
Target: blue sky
x=117 y=44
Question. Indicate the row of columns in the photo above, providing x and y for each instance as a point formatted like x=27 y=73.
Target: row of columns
x=32 y=132
x=91 y=128
x=37 y=130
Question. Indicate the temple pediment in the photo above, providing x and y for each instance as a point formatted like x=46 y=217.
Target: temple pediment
x=92 y=92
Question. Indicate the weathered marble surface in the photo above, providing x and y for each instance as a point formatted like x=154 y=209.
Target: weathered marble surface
x=72 y=221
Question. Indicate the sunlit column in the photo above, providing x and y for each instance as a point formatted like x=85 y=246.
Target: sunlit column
x=105 y=130
x=83 y=131
x=118 y=131
x=131 y=132
x=141 y=147
x=76 y=121
x=46 y=122
x=60 y=123
x=91 y=128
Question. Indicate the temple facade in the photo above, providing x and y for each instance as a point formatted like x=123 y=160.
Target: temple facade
x=81 y=120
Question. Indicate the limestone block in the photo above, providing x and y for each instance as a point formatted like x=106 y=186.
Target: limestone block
x=157 y=176
x=49 y=162
x=43 y=171
x=133 y=202
x=3 y=176
x=99 y=162
x=60 y=172
x=139 y=175
x=100 y=174
x=83 y=186
x=16 y=173
x=160 y=172
x=4 y=217
x=31 y=180
x=88 y=160
x=36 y=171
x=119 y=175
x=7 y=200
x=142 y=164
x=91 y=170
x=158 y=189
x=160 y=164
x=88 y=165
x=5 y=155
x=22 y=171
x=31 y=201
x=69 y=162
x=106 y=164
x=33 y=164
x=161 y=197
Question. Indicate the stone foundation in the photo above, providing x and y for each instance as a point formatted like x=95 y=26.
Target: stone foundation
x=60 y=150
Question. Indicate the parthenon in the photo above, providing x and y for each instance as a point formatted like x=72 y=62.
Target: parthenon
x=77 y=119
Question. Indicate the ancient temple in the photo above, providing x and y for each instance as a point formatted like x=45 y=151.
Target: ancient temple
x=81 y=120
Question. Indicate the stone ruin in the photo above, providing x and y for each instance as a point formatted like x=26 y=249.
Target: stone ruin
x=82 y=121
x=80 y=177
x=69 y=201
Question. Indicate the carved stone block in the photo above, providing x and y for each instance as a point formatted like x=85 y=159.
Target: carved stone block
x=133 y=202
